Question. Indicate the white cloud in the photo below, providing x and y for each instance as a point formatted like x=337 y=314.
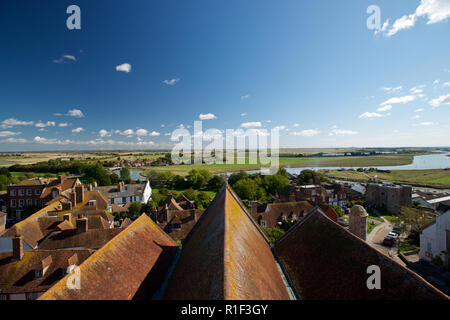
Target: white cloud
x=441 y=100
x=141 y=132
x=339 y=132
x=385 y=108
x=416 y=117
x=404 y=99
x=369 y=115
x=446 y=84
x=280 y=128
x=306 y=133
x=208 y=116
x=127 y=132
x=296 y=125
x=154 y=134
x=63 y=124
x=65 y=58
x=245 y=96
x=9 y=133
x=124 y=67
x=425 y=124
x=392 y=89
x=251 y=124
x=11 y=122
x=434 y=10
x=419 y=110
x=77 y=130
x=71 y=113
x=416 y=90
x=243 y=114
x=103 y=133
x=46 y=124
x=171 y=82
x=436 y=82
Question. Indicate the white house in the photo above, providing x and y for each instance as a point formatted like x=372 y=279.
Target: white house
x=125 y=193
x=435 y=240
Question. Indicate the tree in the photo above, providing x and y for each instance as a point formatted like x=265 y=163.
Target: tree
x=203 y=200
x=125 y=174
x=216 y=182
x=134 y=210
x=235 y=177
x=249 y=189
x=275 y=183
x=414 y=219
x=282 y=172
x=307 y=177
x=114 y=178
x=190 y=194
x=196 y=178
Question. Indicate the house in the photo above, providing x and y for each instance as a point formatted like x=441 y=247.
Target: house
x=177 y=218
x=435 y=240
x=337 y=194
x=133 y=265
x=37 y=192
x=125 y=193
x=26 y=275
x=324 y=261
x=2 y=221
x=3 y=201
x=70 y=206
x=271 y=215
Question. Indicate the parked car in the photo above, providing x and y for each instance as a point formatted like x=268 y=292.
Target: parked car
x=393 y=235
x=388 y=241
x=396 y=229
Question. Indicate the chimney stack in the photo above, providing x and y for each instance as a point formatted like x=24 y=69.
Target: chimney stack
x=79 y=194
x=17 y=247
x=45 y=264
x=120 y=186
x=73 y=198
x=82 y=225
x=61 y=178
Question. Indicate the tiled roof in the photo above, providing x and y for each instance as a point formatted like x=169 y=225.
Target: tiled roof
x=126 y=223
x=132 y=265
x=325 y=261
x=128 y=190
x=18 y=276
x=272 y=213
x=226 y=256
x=65 y=185
x=91 y=239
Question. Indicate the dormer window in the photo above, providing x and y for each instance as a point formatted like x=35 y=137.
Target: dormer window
x=176 y=226
x=37 y=274
x=91 y=203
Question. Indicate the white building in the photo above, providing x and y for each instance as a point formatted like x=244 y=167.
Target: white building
x=435 y=240
x=126 y=193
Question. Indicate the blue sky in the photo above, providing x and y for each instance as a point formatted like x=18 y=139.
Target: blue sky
x=136 y=71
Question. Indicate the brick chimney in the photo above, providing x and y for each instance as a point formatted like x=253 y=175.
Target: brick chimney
x=17 y=247
x=79 y=194
x=82 y=225
x=120 y=186
x=72 y=262
x=61 y=178
x=73 y=198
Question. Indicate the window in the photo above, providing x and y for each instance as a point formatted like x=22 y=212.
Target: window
x=29 y=202
x=12 y=192
x=263 y=223
x=124 y=200
x=29 y=192
x=21 y=193
x=13 y=203
x=20 y=203
x=176 y=227
x=429 y=247
x=36 y=202
x=313 y=192
x=37 y=192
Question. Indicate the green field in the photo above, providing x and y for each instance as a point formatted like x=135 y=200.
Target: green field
x=294 y=162
x=427 y=178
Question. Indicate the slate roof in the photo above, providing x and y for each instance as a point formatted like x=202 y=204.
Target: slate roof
x=226 y=256
x=325 y=261
x=133 y=265
x=19 y=276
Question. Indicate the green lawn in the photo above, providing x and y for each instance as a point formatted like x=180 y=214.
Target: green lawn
x=294 y=162
x=430 y=178
x=210 y=193
x=370 y=226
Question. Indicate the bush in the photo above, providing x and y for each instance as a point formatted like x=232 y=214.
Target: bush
x=274 y=234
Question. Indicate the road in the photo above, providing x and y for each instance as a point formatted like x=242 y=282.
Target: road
x=376 y=237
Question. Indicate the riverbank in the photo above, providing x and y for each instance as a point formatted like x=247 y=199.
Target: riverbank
x=297 y=162
x=436 y=178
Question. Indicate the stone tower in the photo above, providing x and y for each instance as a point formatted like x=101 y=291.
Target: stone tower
x=358 y=221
